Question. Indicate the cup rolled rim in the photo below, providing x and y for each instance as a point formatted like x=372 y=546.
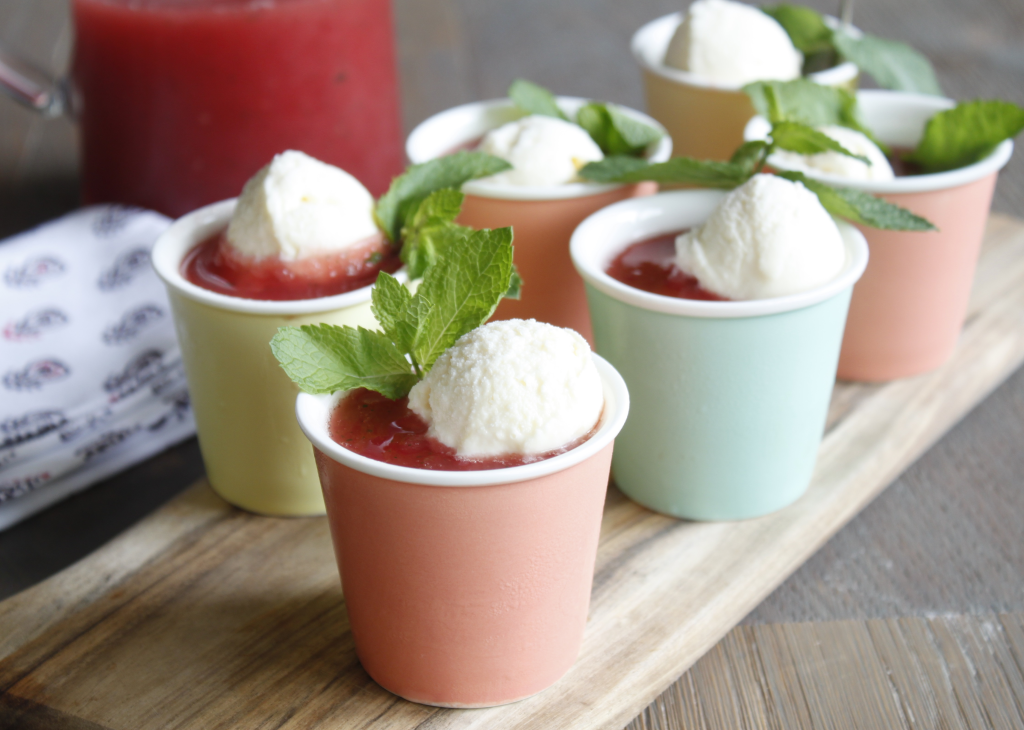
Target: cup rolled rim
x=876 y=104
x=443 y=132
x=598 y=240
x=313 y=413
x=650 y=56
x=192 y=229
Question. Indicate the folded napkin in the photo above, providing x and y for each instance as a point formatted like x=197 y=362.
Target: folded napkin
x=91 y=380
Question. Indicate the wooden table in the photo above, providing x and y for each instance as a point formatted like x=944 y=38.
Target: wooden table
x=911 y=616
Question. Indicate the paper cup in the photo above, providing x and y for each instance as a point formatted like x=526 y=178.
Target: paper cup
x=542 y=217
x=908 y=309
x=255 y=455
x=705 y=119
x=467 y=589
x=729 y=399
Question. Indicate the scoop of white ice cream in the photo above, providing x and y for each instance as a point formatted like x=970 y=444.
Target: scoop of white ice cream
x=767 y=238
x=514 y=386
x=542 y=150
x=833 y=163
x=298 y=206
x=732 y=44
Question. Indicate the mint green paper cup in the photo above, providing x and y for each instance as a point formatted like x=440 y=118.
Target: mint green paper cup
x=728 y=399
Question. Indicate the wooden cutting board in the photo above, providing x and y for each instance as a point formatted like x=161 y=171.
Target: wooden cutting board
x=203 y=616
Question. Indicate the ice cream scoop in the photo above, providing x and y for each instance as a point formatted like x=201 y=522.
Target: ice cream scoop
x=768 y=238
x=542 y=150
x=514 y=386
x=297 y=207
x=733 y=44
x=834 y=163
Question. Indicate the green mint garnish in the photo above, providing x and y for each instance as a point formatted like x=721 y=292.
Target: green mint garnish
x=965 y=134
x=861 y=207
x=431 y=229
x=893 y=65
x=534 y=99
x=615 y=132
x=458 y=294
x=409 y=189
x=748 y=160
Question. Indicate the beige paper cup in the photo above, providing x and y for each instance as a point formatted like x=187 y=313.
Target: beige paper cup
x=705 y=119
x=255 y=455
x=908 y=308
x=542 y=218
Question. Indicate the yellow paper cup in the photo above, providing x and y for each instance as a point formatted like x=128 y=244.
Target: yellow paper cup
x=256 y=457
x=705 y=119
x=542 y=217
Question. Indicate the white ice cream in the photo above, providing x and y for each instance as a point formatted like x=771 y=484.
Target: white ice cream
x=833 y=163
x=732 y=44
x=542 y=150
x=514 y=386
x=767 y=238
x=297 y=207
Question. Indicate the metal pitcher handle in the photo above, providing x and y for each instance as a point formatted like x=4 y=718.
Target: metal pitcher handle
x=31 y=87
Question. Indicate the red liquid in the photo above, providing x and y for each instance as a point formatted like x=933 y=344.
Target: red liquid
x=182 y=101
x=650 y=266
x=215 y=265
x=369 y=424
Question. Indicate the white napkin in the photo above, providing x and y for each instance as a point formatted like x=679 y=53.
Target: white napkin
x=90 y=373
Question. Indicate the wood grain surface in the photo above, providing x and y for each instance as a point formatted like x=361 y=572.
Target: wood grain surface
x=204 y=616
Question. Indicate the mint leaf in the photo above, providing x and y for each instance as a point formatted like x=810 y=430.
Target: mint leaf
x=750 y=156
x=515 y=285
x=705 y=173
x=804 y=101
x=431 y=229
x=326 y=358
x=390 y=302
x=893 y=65
x=806 y=27
x=636 y=135
x=460 y=292
x=965 y=134
x=805 y=140
x=615 y=132
x=408 y=189
x=861 y=207
x=534 y=99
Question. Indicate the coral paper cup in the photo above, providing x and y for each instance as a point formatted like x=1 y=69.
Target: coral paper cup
x=908 y=309
x=542 y=218
x=705 y=119
x=256 y=457
x=467 y=589
x=729 y=399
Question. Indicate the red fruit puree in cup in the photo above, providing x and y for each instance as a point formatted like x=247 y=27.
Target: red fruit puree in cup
x=182 y=101
x=215 y=265
x=650 y=266
x=371 y=425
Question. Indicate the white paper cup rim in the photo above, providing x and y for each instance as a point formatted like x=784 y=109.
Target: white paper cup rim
x=909 y=112
x=596 y=242
x=313 y=413
x=443 y=132
x=190 y=230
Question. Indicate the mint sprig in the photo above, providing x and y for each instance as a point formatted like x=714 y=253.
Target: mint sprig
x=894 y=65
x=748 y=160
x=458 y=294
x=431 y=229
x=408 y=190
x=614 y=131
x=966 y=134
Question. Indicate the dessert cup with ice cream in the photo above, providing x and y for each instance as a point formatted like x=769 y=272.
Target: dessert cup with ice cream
x=541 y=197
x=729 y=396
x=695 y=64
x=908 y=308
x=467 y=581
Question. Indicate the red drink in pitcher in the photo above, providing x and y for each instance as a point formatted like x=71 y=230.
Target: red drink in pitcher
x=181 y=101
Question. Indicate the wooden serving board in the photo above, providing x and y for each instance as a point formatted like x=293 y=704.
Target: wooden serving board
x=203 y=616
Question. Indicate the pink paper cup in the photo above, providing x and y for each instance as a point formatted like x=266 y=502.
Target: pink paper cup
x=542 y=217
x=908 y=309
x=467 y=589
